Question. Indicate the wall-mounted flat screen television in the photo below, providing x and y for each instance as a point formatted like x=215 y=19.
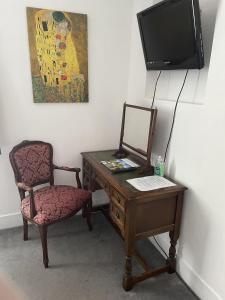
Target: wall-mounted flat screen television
x=171 y=35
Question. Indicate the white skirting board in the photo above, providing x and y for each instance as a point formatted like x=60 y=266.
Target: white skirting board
x=11 y=220
x=198 y=285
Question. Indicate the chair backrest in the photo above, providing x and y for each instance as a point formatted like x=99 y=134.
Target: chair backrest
x=32 y=162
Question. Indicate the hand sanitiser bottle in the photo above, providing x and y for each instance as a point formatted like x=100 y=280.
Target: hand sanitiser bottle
x=159 y=167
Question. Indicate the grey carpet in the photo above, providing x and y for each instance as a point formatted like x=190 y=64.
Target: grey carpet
x=83 y=265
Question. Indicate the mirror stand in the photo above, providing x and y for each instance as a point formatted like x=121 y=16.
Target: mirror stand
x=144 y=156
x=121 y=153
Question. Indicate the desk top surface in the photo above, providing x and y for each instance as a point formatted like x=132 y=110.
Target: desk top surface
x=118 y=180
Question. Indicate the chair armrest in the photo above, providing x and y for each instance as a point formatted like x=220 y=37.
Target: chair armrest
x=23 y=186
x=75 y=170
x=64 y=168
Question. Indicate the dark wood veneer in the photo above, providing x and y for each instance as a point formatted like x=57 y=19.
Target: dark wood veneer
x=135 y=214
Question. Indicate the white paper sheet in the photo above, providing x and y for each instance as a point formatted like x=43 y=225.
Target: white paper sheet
x=149 y=183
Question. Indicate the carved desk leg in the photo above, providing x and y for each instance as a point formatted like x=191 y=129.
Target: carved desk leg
x=174 y=235
x=127 y=278
x=172 y=252
x=129 y=241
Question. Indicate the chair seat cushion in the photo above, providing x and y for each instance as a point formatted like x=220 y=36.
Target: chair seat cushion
x=53 y=203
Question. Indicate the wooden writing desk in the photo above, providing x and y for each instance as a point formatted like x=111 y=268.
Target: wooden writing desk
x=135 y=214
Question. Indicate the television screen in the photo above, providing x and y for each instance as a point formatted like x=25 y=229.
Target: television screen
x=171 y=35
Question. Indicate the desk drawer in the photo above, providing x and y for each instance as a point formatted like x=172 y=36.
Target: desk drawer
x=118 y=199
x=117 y=217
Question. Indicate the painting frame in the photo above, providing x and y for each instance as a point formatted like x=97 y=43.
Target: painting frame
x=58 y=46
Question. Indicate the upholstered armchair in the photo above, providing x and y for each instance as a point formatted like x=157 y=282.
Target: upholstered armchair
x=32 y=163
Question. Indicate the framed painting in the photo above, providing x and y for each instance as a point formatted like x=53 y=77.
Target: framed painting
x=58 y=55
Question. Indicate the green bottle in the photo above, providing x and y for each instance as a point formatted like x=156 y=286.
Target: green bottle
x=159 y=167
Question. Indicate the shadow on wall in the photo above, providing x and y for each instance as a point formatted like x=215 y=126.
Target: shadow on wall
x=163 y=125
x=209 y=10
x=172 y=169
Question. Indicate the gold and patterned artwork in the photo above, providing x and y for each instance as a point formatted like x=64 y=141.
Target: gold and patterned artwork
x=58 y=55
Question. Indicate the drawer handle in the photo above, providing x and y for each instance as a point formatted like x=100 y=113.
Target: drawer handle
x=119 y=200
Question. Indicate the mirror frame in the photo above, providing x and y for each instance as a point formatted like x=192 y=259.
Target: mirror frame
x=123 y=152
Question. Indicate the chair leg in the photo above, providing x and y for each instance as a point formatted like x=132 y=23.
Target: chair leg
x=88 y=212
x=25 y=229
x=83 y=212
x=43 y=235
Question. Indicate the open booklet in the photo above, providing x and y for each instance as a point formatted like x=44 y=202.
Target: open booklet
x=120 y=165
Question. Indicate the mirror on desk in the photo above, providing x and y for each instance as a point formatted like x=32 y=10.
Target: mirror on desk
x=137 y=130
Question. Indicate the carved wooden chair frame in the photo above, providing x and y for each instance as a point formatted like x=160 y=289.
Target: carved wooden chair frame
x=23 y=188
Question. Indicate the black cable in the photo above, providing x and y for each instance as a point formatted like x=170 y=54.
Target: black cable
x=153 y=100
x=160 y=246
x=174 y=115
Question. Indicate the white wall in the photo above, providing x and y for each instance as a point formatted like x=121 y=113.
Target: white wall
x=71 y=128
x=196 y=157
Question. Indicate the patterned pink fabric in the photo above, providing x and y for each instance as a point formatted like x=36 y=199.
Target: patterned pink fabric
x=55 y=202
x=33 y=163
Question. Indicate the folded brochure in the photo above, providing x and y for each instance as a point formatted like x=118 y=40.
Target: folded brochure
x=119 y=165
